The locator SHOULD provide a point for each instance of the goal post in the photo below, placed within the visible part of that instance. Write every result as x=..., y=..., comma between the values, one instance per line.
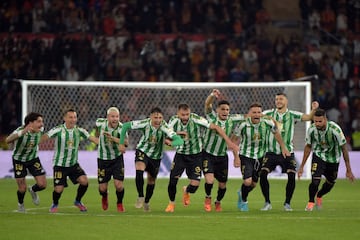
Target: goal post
x=135, y=99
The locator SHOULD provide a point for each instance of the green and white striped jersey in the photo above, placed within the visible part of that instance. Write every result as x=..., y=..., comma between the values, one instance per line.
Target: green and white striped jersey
x=326, y=144
x=253, y=137
x=67, y=144
x=213, y=142
x=107, y=149
x=193, y=142
x=286, y=124
x=152, y=140
x=26, y=147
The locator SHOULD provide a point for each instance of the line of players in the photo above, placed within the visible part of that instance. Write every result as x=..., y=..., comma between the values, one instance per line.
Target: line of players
x=264, y=140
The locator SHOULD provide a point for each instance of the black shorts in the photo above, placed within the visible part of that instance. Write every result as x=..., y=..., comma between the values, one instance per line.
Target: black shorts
x=320, y=167
x=61, y=174
x=271, y=160
x=250, y=168
x=219, y=165
x=34, y=166
x=192, y=163
x=108, y=168
x=152, y=165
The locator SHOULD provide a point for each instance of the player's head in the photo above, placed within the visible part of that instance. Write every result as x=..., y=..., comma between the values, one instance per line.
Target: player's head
x=70, y=118
x=281, y=101
x=255, y=112
x=35, y=120
x=113, y=117
x=156, y=117
x=320, y=119
x=223, y=109
x=184, y=112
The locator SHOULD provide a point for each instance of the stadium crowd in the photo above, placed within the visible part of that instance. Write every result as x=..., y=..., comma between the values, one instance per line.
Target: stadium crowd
x=185, y=41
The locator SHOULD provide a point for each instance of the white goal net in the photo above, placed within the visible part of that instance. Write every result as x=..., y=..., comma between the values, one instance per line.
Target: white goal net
x=135, y=99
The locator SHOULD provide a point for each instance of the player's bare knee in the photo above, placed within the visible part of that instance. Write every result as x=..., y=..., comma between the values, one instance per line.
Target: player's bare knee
x=248, y=182
x=222, y=185
x=42, y=185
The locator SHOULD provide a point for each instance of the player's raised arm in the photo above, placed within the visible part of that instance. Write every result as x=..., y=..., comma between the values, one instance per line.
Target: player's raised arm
x=309, y=117
x=210, y=100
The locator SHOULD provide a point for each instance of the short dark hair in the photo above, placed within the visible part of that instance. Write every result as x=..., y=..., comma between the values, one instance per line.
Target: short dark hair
x=155, y=110
x=183, y=106
x=68, y=110
x=31, y=117
x=255, y=104
x=221, y=102
x=281, y=94
x=320, y=112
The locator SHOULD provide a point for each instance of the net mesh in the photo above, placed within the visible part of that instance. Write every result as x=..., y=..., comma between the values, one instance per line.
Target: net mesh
x=135, y=102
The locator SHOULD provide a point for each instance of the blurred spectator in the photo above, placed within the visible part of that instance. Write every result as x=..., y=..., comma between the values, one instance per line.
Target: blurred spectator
x=250, y=55
x=280, y=47
x=328, y=19
x=250, y=7
x=72, y=74
x=314, y=19
x=315, y=53
x=345, y=111
x=166, y=76
x=222, y=73
x=233, y=53
x=182, y=66
x=108, y=24
x=333, y=113
x=224, y=24
x=264, y=47
x=341, y=72
x=262, y=20
x=341, y=21
x=305, y=10
x=83, y=54
x=238, y=73
x=281, y=70
x=185, y=18
x=354, y=87
x=356, y=46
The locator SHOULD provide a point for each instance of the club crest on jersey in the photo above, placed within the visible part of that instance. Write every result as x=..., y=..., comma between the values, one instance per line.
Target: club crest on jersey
x=70, y=143
x=153, y=139
x=30, y=145
x=256, y=137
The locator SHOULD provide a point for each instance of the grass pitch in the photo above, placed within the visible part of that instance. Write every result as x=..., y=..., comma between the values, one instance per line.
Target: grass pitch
x=339, y=218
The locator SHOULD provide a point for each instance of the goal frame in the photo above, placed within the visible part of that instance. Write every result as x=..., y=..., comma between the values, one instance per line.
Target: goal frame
x=169, y=85
x=174, y=85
